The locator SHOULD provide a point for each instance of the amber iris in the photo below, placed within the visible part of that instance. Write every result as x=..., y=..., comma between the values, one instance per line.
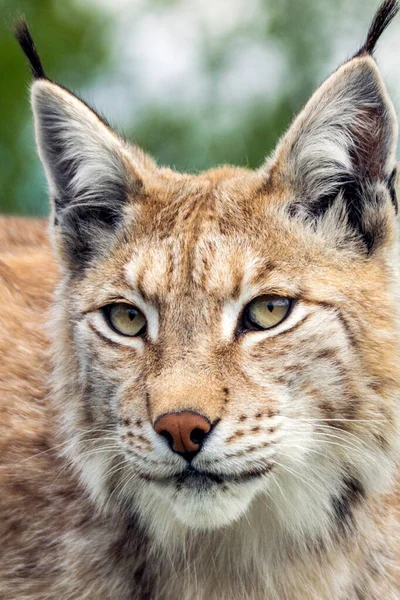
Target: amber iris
x=125, y=319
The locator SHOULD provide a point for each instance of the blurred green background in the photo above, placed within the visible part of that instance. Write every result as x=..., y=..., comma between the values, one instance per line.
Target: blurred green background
x=195, y=82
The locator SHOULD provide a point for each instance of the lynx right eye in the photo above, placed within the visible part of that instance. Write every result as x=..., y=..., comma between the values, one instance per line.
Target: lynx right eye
x=265, y=312
x=125, y=319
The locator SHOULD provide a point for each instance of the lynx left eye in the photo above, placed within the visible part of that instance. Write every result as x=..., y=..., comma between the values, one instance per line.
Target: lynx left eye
x=265, y=312
x=125, y=319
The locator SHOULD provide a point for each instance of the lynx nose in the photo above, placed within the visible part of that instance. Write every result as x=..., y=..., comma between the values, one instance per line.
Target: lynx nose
x=185, y=432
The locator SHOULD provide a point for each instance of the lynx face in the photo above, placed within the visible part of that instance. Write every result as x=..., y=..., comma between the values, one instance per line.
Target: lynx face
x=226, y=343
x=300, y=414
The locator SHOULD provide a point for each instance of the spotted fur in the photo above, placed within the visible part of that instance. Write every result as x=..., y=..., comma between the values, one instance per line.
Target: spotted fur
x=294, y=495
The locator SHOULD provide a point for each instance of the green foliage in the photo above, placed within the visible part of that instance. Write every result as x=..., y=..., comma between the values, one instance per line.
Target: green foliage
x=73, y=44
x=196, y=140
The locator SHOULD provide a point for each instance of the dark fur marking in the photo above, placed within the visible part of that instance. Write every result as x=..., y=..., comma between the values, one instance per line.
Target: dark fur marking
x=88, y=404
x=225, y=392
x=326, y=354
x=351, y=336
x=29, y=569
x=383, y=443
x=352, y=494
x=360, y=595
x=392, y=189
x=355, y=198
x=141, y=438
x=298, y=324
x=147, y=395
x=332, y=307
x=352, y=407
x=105, y=339
x=327, y=409
x=81, y=231
x=133, y=543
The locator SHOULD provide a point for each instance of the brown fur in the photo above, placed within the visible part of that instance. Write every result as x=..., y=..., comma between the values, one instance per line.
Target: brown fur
x=294, y=493
x=48, y=519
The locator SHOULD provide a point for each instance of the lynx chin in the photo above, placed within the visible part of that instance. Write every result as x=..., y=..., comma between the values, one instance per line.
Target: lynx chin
x=200, y=379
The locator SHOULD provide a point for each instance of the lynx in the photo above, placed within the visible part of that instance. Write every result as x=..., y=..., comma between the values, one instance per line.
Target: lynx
x=200, y=379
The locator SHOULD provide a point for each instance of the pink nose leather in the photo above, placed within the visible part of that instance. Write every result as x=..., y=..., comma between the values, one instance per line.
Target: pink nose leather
x=185, y=430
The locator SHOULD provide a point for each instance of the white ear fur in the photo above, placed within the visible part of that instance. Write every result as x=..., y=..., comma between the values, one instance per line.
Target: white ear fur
x=348, y=128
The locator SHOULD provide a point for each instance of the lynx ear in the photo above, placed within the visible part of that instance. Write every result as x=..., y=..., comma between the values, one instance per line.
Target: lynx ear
x=90, y=171
x=339, y=154
x=88, y=168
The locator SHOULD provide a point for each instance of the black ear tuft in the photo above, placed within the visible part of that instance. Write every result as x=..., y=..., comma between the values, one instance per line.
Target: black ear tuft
x=382, y=19
x=27, y=44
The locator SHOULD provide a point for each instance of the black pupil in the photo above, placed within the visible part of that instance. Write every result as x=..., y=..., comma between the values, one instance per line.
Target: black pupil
x=270, y=306
x=132, y=313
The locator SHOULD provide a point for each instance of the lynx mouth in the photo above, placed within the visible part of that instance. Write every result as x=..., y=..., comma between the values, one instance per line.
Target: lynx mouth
x=193, y=478
x=204, y=501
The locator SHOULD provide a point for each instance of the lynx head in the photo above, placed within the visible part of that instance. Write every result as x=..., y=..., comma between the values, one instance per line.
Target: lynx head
x=228, y=340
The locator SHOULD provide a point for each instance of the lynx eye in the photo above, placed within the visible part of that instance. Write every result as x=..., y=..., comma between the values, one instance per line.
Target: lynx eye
x=125, y=319
x=265, y=312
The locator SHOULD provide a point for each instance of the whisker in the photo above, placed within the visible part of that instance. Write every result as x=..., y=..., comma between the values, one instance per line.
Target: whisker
x=343, y=445
x=121, y=486
x=328, y=433
x=311, y=419
x=303, y=478
x=116, y=468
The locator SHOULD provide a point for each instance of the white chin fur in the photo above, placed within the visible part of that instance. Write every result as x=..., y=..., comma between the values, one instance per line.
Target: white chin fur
x=210, y=508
